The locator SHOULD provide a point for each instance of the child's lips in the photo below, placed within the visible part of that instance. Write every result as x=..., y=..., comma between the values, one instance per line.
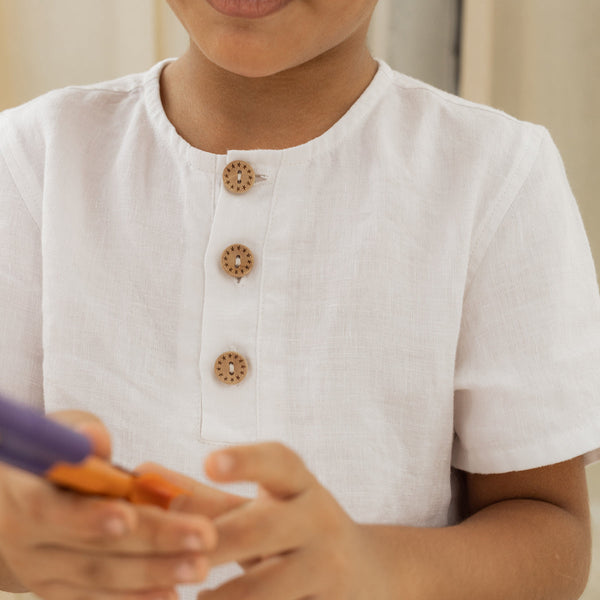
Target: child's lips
x=248, y=9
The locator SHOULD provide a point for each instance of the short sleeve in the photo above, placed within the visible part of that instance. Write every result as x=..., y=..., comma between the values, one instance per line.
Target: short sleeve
x=21, y=354
x=527, y=375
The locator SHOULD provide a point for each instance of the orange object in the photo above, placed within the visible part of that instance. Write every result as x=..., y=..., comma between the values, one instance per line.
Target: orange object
x=96, y=476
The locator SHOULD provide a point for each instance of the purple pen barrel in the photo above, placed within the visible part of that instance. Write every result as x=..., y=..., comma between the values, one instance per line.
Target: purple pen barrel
x=30, y=441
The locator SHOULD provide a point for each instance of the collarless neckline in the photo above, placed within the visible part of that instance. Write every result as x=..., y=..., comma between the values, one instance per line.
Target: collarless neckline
x=328, y=141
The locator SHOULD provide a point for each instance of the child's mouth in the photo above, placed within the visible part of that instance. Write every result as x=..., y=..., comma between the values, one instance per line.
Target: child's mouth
x=248, y=9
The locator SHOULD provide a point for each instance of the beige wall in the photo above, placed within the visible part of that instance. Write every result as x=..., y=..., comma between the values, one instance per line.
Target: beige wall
x=539, y=60
x=46, y=45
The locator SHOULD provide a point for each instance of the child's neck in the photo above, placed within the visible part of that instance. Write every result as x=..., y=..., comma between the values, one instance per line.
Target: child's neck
x=216, y=110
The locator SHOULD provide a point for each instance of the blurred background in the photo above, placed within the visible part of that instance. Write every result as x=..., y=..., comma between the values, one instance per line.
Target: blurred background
x=538, y=60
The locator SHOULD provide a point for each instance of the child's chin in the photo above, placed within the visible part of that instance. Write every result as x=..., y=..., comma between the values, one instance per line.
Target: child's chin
x=252, y=67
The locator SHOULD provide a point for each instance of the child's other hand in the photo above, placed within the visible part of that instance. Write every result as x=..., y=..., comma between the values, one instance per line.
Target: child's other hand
x=65, y=546
x=294, y=539
x=204, y=499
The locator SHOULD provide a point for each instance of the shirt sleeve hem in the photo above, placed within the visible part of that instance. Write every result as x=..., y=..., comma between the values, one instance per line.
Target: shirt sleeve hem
x=562, y=446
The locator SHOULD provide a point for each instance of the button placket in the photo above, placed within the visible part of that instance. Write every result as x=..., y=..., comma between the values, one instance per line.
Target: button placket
x=230, y=313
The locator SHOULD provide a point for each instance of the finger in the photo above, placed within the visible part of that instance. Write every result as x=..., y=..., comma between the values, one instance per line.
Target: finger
x=44, y=515
x=115, y=572
x=281, y=577
x=100, y=438
x=88, y=424
x=203, y=499
x=35, y=508
x=160, y=532
x=271, y=464
x=263, y=528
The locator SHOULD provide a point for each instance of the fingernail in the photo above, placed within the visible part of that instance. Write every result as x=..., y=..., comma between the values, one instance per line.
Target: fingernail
x=193, y=542
x=186, y=572
x=224, y=462
x=115, y=526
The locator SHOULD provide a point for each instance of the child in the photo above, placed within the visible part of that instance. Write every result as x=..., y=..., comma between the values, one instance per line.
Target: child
x=275, y=258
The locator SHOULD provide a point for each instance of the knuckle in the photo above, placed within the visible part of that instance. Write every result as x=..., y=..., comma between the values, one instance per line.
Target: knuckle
x=280, y=450
x=159, y=572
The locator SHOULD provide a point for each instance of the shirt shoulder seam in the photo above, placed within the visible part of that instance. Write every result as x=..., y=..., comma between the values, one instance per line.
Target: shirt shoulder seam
x=500, y=210
x=448, y=97
x=97, y=88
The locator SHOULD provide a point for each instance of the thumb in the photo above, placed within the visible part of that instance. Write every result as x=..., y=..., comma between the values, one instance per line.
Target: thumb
x=90, y=426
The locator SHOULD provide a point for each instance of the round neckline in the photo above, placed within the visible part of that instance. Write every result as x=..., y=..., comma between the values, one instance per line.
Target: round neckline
x=328, y=141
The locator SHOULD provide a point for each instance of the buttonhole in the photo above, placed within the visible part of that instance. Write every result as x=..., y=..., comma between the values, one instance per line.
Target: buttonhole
x=231, y=368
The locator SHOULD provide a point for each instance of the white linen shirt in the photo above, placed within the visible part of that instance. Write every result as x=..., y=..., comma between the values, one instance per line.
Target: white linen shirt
x=423, y=295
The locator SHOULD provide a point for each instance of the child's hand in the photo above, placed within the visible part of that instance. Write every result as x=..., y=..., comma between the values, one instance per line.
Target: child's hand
x=204, y=500
x=62, y=545
x=294, y=539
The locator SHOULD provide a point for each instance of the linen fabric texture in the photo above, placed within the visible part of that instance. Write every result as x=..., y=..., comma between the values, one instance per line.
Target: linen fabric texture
x=423, y=297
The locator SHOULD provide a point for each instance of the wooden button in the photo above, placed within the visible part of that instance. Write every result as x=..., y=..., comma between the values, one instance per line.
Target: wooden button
x=231, y=368
x=238, y=177
x=237, y=260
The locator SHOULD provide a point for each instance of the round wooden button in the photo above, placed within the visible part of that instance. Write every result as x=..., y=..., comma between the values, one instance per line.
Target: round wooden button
x=238, y=177
x=237, y=260
x=231, y=368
